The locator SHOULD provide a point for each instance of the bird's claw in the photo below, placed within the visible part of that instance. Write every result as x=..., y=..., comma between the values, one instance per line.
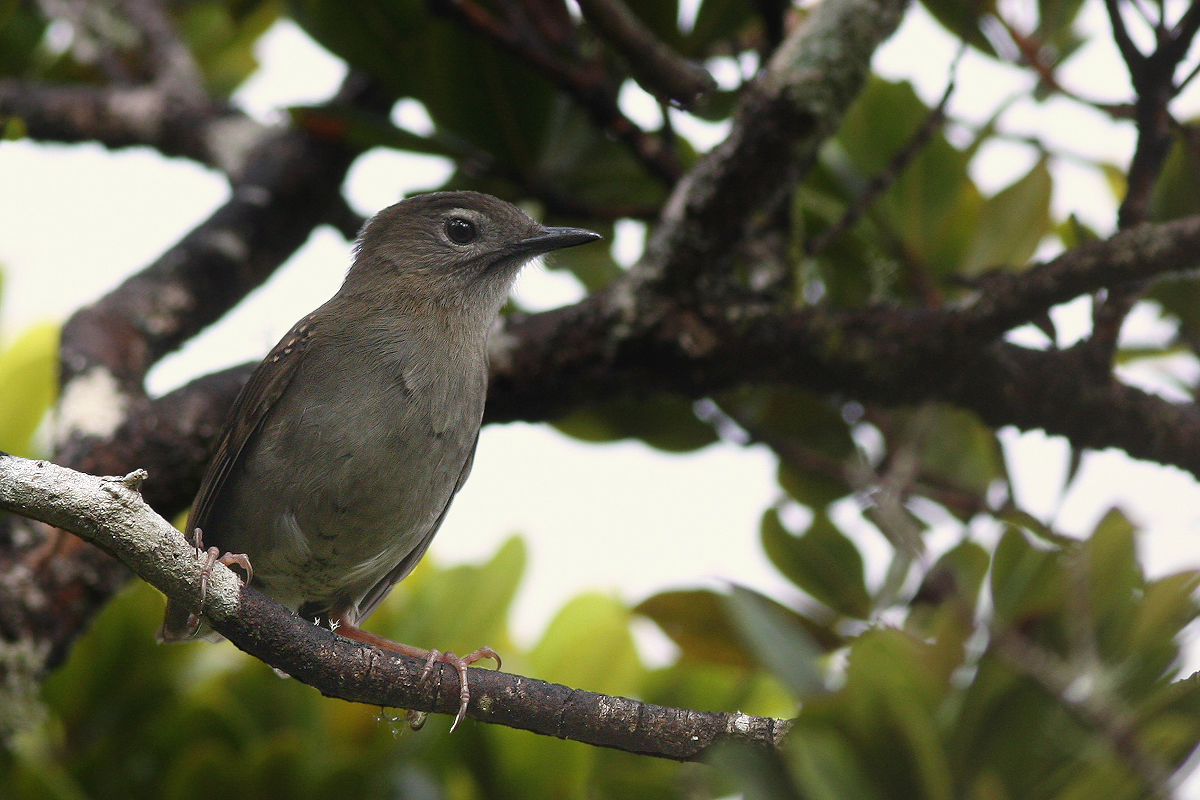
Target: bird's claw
x=460, y=666
x=212, y=556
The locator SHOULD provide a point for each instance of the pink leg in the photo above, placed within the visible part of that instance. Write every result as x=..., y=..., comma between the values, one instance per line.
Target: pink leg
x=431, y=657
x=212, y=556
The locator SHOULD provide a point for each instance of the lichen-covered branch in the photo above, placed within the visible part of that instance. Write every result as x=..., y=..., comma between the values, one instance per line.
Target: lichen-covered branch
x=110, y=513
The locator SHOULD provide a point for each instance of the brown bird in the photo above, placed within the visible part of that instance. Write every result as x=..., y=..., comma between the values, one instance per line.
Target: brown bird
x=341, y=455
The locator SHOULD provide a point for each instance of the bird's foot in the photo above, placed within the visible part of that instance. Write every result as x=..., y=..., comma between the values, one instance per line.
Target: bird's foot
x=431, y=657
x=212, y=556
x=460, y=666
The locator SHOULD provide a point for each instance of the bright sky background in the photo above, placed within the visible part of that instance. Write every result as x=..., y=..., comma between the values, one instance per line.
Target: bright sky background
x=623, y=518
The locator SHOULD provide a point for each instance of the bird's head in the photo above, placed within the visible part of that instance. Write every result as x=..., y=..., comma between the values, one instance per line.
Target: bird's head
x=459, y=250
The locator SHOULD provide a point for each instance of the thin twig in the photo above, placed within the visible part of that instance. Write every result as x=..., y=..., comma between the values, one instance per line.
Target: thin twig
x=1129, y=52
x=1102, y=712
x=590, y=89
x=658, y=68
x=888, y=175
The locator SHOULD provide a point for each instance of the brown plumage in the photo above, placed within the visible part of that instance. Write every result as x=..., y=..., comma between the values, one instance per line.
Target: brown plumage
x=341, y=455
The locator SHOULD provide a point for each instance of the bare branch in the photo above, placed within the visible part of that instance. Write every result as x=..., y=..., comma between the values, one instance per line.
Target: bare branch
x=174, y=67
x=659, y=69
x=128, y=116
x=1125, y=44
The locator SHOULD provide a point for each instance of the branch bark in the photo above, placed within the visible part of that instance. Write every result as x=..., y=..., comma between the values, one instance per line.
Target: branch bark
x=128, y=116
x=110, y=513
x=547, y=364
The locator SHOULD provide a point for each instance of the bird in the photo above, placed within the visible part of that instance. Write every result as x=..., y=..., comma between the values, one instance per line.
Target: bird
x=342, y=453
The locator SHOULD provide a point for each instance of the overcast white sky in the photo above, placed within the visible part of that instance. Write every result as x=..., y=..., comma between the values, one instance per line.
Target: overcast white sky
x=621, y=518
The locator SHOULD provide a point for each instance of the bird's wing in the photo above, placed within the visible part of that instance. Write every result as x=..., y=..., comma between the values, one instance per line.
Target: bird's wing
x=260, y=393
x=380, y=590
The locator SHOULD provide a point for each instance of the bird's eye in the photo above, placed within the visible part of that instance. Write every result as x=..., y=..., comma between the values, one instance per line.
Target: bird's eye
x=460, y=231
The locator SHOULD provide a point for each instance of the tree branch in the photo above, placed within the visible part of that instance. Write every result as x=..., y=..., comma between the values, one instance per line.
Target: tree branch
x=659, y=69
x=546, y=364
x=173, y=65
x=780, y=122
x=110, y=513
x=123, y=116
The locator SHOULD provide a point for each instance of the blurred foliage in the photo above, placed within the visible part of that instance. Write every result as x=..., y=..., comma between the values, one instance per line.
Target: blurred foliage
x=29, y=381
x=942, y=643
x=1067, y=688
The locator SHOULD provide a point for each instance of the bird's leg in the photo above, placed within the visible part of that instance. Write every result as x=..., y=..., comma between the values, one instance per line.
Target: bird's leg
x=212, y=556
x=343, y=627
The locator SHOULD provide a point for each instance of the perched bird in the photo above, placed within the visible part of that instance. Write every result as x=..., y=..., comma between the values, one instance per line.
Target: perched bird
x=343, y=452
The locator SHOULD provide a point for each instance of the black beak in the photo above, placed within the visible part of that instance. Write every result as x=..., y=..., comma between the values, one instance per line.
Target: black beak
x=555, y=239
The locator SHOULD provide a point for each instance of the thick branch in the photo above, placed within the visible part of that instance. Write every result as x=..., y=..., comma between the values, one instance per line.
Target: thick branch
x=547, y=364
x=780, y=122
x=123, y=116
x=110, y=513
x=1006, y=299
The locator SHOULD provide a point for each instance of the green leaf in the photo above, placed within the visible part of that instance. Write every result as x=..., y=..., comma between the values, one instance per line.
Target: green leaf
x=21, y=31
x=1026, y=582
x=784, y=412
x=781, y=645
x=959, y=450
x=1012, y=223
x=1025, y=521
x=1174, y=193
x=1055, y=25
x=1179, y=295
x=890, y=708
x=953, y=582
x=365, y=130
x=665, y=422
x=471, y=89
x=1167, y=607
x=931, y=208
x=587, y=644
x=222, y=36
x=825, y=766
x=28, y=386
x=1073, y=232
x=758, y=773
x=660, y=16
x=1115, y=580
x=823, y=562
x=962, y=20
x=716, y=21
x=461, y=609
x=813, y=488
x=594, y=169
x=696, y=621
